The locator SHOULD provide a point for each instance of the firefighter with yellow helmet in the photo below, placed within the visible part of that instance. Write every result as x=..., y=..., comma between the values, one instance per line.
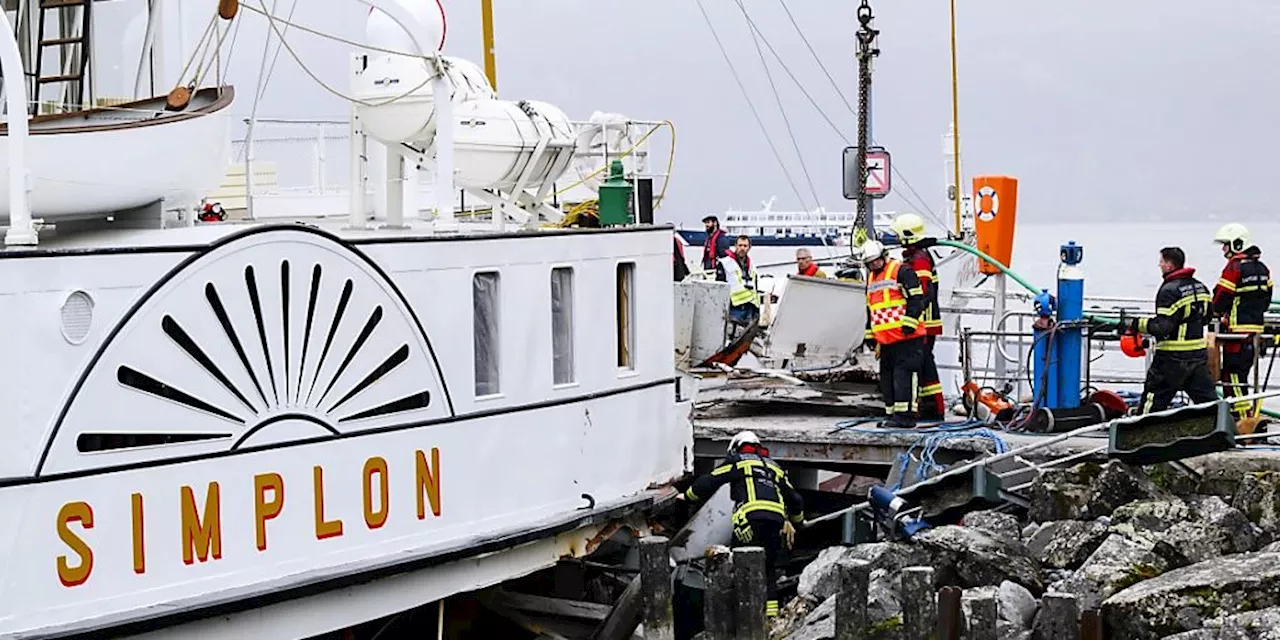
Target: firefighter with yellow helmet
x=1241, y=298
x=910, y=230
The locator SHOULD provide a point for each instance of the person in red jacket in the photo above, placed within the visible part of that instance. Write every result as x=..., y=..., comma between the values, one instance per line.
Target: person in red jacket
x=1241, y=298
x=915, y=253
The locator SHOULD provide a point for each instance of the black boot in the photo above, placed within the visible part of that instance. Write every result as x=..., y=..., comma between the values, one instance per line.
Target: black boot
x=900, y=421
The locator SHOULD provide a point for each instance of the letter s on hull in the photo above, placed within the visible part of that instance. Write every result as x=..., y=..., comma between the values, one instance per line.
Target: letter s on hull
x=75, y=511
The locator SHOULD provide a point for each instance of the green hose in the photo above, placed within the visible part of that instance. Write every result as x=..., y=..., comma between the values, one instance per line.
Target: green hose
x=1017, y=278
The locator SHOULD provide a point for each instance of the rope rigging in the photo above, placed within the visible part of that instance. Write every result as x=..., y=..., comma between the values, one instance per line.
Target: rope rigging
x=756, y=37
x=921, y=202
x=746, y=96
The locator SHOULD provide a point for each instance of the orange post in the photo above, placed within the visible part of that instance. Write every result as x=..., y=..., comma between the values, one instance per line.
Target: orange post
x=995, y=218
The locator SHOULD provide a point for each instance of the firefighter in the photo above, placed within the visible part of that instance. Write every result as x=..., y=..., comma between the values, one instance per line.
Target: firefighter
x=1181, y=362
x=766, y=506
x=915, y=254
x=895, y=305
x=735, y=268
x=717, y=244
x=1241, y=298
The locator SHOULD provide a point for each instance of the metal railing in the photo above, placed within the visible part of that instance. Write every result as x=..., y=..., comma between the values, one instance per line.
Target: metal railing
x=986, y=343
x=312, y=156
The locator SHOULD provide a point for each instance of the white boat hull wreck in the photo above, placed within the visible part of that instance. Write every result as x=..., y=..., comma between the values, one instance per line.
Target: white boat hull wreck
x=236, y=419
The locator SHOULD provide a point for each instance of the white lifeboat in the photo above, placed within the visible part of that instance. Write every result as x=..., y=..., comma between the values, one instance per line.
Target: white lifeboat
x=90, y=163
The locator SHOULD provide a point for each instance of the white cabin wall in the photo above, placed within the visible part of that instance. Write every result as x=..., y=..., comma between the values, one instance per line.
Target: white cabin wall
x=526, y=316
x=40, y=364
x=435, y=277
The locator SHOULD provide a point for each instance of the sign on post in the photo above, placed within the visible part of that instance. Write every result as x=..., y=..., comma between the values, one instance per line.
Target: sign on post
x=877, y=183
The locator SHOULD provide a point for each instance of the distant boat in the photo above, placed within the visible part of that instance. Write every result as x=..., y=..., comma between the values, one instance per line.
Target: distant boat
x=817, y=228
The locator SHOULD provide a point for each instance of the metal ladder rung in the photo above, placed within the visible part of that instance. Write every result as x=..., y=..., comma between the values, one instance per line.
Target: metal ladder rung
x=58, y=41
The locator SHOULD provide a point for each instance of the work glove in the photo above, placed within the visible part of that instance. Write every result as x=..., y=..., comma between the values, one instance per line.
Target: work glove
x=788, y=535
x=908, y=330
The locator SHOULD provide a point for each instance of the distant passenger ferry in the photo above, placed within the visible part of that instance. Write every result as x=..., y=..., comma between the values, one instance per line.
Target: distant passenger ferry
x=767, y=227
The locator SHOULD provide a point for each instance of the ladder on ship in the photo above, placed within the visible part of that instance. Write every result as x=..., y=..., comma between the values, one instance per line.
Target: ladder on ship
x=75, y=47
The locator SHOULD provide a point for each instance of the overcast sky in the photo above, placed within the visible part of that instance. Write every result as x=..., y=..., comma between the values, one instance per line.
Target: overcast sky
x=1127, y=109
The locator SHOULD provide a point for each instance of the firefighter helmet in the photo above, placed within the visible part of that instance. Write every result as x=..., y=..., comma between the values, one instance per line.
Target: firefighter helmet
x=1233, y=237
x=872, y=250
x=742, y=438
x=1133, y=345
x=909, y=227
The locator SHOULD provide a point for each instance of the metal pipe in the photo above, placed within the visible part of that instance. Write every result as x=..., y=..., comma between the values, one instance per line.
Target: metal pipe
x=21, y=229
x=443, y=92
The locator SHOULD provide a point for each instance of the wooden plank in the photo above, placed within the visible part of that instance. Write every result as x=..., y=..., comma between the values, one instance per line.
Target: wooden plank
x=552, y=606
x=625, y=616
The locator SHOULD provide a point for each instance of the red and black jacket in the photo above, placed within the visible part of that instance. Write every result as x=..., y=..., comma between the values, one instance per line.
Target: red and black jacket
x=922, y=263
x=1243, y=293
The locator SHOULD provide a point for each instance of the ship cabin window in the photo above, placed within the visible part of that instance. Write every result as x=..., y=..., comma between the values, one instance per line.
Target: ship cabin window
x=485, y=324
x=562, y=325
x=626, y=310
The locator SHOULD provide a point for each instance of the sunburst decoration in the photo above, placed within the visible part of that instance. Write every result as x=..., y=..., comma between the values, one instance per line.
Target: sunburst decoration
x=319, y=394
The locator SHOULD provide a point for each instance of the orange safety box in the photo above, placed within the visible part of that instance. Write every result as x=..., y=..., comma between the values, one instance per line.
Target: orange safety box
x=995, y=209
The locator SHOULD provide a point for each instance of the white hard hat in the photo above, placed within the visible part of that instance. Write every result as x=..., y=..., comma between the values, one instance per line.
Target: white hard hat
x=743, y=437
x=1234, y=236
x=872, y=250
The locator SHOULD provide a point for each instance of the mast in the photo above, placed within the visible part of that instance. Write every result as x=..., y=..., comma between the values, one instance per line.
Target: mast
x=955, y=119
x=490, y=65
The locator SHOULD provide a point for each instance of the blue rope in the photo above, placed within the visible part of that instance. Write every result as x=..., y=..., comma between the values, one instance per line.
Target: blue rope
x=928, y=445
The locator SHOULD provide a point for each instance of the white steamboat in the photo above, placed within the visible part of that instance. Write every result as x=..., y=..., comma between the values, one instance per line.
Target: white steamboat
x=279, y=429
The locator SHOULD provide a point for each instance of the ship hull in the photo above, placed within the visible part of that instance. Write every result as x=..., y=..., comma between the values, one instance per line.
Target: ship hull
x=278, y=413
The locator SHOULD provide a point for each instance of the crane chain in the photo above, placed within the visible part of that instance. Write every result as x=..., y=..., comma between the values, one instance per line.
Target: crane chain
x=866, y=51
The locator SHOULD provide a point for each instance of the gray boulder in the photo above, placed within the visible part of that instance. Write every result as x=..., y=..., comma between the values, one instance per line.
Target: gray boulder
x=1183, y=599
x=1117, y=563
x=1221, y=473
x=1258, y=497
x=1015, y=606
x=1000, y=525
x=1066, y=544
x=884, y=616
x=1062, y=494
x=819, y=580
x=1188, y=532
x=971, y=557
x=1172, y=479
x=1119, y=484
x=1254, y=625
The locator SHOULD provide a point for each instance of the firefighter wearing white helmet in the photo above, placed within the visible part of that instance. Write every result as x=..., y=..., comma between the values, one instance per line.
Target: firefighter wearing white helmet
x=909, y=228
x=766, y=506
x=1241, y=299
x=895, y=311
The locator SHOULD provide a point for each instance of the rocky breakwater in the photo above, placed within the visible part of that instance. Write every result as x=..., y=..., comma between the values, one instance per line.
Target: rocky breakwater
x=1159, y=553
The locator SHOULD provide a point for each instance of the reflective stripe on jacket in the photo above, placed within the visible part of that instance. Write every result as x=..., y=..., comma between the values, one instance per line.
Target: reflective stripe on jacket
x=1182, y=313
x=758, y=487
x=921, y=261
x=894, y=300
x=740, y=292
x=1243, y=293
